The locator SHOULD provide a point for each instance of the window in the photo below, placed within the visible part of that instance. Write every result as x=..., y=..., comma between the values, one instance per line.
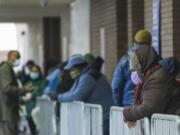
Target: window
x=8, y=37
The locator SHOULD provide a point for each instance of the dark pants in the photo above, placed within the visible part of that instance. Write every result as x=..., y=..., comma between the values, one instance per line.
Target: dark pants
x=106, y=127
x=106, y=132
x=32, y=126
x=7, y=128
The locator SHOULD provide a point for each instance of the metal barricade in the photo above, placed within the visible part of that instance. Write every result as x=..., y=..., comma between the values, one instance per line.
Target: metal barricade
x=78, y=118
x=165, y=124
x=93, y=119
x=118, y=127
x=46, y=116
x=72, y=119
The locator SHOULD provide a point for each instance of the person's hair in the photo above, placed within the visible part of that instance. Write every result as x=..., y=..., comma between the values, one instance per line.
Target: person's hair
x=51, y=64
x=30, y=62
x=62, y=65
x=14, y=51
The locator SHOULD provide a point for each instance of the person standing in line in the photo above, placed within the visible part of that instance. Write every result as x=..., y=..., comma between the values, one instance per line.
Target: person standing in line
x=9, y=95
x=122, y=86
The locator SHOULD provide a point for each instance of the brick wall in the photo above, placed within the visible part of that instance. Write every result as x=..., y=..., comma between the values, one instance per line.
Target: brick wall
x=166, y=25
x=135, y=18
x=176, y=28
x=170, y=26
x=166, y=28
x=148, y=14
x=123, y=18
x=122, y=28
x=104, y=14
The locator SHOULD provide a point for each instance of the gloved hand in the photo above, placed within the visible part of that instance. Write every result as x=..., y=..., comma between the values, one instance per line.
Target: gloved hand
x=53, y=96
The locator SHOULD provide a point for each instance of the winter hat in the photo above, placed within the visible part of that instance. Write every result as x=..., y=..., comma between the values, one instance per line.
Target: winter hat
x=143, y=37
x=89, y=58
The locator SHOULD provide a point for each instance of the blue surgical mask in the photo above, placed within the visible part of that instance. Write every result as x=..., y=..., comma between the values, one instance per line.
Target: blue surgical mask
x=34, y=76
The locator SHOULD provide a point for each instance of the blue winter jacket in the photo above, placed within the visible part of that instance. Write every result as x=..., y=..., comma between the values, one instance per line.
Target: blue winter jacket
x=171, y=65
x=91, y=90
x=122, y=86
x=53, y=82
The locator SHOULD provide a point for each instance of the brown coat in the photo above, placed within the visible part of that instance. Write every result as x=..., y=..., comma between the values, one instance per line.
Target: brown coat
x=9, y=94
x=161, y=92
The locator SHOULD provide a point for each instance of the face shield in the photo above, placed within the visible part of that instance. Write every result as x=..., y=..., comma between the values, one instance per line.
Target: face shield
x=134, y=64
x=135, y=67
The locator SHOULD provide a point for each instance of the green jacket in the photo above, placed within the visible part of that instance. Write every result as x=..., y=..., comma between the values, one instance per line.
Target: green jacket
x=9, y=94
x=38, y=89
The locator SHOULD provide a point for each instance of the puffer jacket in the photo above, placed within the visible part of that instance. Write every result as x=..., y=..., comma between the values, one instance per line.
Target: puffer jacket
x=171, y=65
x=53, y=81
x=160, y=91
x=122, y=86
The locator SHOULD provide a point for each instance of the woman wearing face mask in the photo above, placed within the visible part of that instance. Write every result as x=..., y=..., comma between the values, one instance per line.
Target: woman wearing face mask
x=24, y=75
x=39, y=84
x=159, y=92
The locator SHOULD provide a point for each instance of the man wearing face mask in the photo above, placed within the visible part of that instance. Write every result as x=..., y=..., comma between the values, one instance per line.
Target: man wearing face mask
x=159, y=93
x=9, y=95
x=90, y=86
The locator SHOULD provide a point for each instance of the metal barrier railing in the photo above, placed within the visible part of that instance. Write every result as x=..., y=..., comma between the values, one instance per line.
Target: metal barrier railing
x=93, y=119
x=46, y=116
x=72, y=119
x=118, y=127
x=78, y=118
x=165, y=124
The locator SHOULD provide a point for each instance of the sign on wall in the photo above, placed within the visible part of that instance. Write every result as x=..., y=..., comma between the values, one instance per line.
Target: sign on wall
x=156, y=25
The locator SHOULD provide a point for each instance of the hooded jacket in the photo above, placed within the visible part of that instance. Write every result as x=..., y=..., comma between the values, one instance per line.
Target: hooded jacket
x=122, y=86
x=91, y=87
x=53, y=81
x=160, y=91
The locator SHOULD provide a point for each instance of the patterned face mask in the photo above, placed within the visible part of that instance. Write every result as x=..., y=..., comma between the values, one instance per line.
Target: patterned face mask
x=74, y=73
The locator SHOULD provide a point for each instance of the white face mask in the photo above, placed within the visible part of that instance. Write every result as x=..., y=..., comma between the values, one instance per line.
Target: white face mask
x=16, y=63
